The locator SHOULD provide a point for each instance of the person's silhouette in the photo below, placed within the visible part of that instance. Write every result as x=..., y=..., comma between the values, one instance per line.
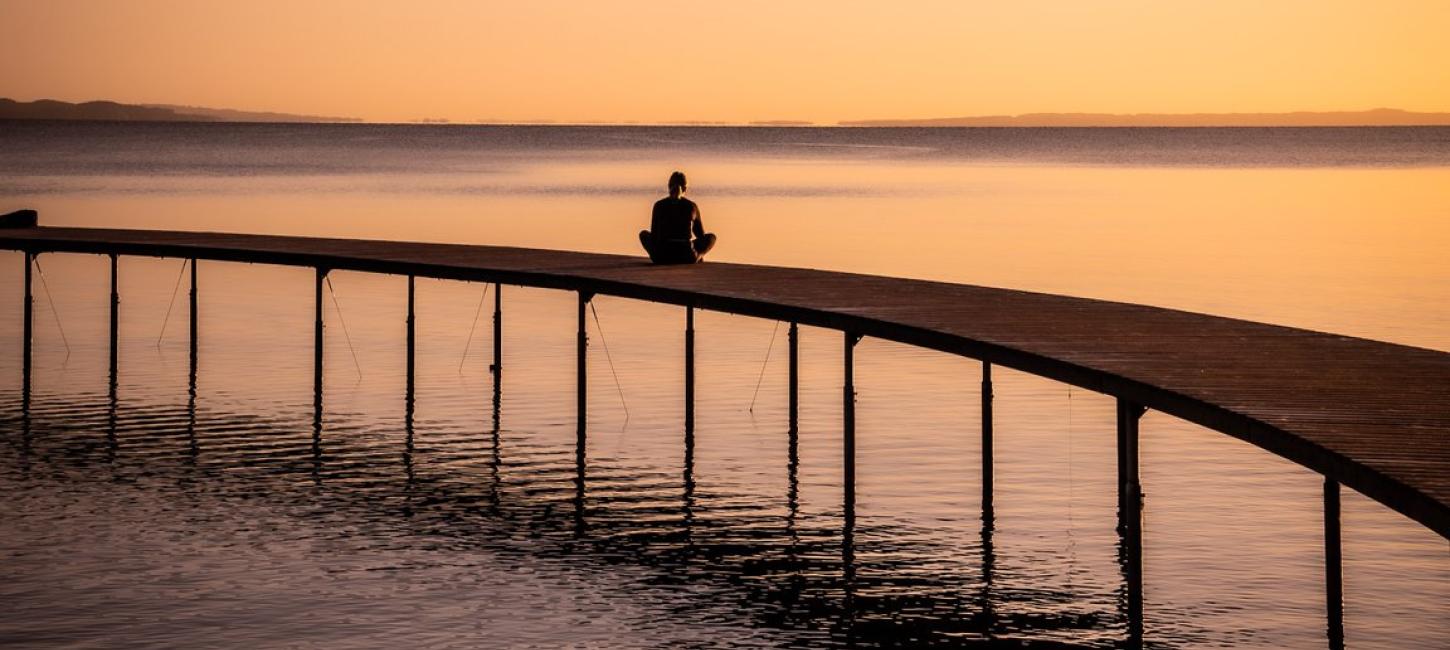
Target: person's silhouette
x=674, y=221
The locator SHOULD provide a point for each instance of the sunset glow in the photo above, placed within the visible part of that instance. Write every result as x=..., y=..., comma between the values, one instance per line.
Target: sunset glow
x=737, y=62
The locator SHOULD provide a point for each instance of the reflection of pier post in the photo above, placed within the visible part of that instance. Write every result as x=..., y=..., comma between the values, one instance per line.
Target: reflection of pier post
x=688, y=507
x=987, y=479
x=27, y=336
x=193, y=447
x=1333, y=566
x=1130, y=556
x=989, y=570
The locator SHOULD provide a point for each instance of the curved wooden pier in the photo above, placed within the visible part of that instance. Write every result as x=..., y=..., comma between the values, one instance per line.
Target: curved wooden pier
x=1370, y=415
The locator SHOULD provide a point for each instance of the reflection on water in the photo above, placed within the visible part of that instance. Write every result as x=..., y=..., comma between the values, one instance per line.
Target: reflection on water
x=172, y=498
x=709, y=553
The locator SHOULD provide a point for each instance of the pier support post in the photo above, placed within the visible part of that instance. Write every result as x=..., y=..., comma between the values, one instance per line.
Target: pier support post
x=1130, y=489
x=848, y=529
x=317, y=377
x=1333, y=565
x=193, y=329
x=582, y=409
x=113, y=378
x=987, y=477
x=581, y=372
x=412, y=356
x=848, y=417
x=191, y=359
x=317, y=344
x=1130, y=516
x=28, y=335
x=497, y=367
x=115, y=322
x=793, y=384
x=690, y=371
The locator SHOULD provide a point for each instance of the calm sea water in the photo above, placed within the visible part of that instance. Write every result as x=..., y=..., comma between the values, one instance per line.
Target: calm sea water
x=158, y=515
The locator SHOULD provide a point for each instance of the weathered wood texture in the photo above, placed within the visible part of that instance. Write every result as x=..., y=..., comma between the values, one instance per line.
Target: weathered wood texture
x=1374, y=416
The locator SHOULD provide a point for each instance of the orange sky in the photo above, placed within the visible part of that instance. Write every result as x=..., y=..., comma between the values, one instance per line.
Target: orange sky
x=733, y=61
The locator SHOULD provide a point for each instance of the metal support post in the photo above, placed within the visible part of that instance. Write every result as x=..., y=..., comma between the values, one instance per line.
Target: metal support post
x=848, y=418
x=793, y=390
x=582, y=404
x=497, y=367
x=115, y=323
x=689, y=370
x=412, y=352
x=848, y=528
x=194, y=338
x=317, y=378
x=1130, y=489
x=1333, y=565
x=28, y=335
x=317, y=345
x=580, y=446
x=987, y=477
x=1130, y=517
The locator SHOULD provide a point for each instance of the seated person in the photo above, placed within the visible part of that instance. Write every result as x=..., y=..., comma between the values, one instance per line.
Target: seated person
x=674, y=221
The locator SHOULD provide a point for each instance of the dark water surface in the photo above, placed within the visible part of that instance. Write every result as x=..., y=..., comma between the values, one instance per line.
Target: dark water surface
x=158, y=512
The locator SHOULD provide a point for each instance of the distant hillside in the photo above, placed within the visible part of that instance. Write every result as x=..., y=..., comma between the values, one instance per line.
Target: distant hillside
x=230, y=115
x=49, y=109
x=1376, y=117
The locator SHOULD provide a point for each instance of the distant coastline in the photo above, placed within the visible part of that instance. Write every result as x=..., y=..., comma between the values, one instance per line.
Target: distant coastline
x=1374, y=117
x=49, y=109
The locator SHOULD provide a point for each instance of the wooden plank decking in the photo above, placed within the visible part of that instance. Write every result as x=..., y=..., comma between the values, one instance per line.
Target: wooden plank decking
x=1374, y=416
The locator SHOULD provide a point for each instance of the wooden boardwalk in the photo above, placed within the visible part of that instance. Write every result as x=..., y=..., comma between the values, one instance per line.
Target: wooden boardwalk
x=1373, y=416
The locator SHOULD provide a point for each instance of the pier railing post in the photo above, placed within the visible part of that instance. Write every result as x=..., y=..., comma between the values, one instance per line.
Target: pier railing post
x=1333, y=565
x=848, y=417
x=497, y=367
x=412, y=355
x=1130, y=516
x=193, y=316
x=793, y=384
x=191, y=360
x=581, y=372
x=1130, y=489
x=28, y=335
x=582, y=409
x=689, y=370
x=115, y=321
x=317, y=344
x=113, y=378
x=987, y=476
x=848, y=528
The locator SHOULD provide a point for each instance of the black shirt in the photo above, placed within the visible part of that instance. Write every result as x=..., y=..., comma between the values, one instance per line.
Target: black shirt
x=675, y=219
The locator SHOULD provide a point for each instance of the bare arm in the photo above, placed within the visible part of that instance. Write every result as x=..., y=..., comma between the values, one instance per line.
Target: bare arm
x=698, y=226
